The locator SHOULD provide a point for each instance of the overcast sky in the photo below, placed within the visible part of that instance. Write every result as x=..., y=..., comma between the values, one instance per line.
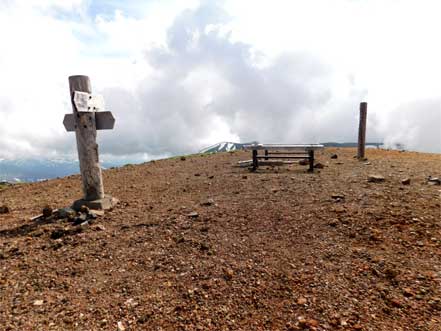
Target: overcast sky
x=181, y=75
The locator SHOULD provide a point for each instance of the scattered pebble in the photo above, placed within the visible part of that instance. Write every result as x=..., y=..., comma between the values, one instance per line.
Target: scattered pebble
x=120, y=326
x=47, y=211
x=38, y=302
x=228, y=273
x=375, y=179
x=208, y=203
x=302, y=301
x=4, y=209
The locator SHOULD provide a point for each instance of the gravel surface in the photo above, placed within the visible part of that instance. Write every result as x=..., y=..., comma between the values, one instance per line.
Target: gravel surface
x=197, y=243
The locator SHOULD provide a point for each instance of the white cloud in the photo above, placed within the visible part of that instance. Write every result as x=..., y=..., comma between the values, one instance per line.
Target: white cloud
x=179, y=76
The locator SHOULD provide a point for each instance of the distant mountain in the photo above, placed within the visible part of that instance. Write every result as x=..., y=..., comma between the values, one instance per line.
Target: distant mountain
x=334, y=144
x=225, y=147
x=230, y=146
x=32, y=170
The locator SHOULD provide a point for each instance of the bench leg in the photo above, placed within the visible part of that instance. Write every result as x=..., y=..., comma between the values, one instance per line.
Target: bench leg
x=311, y=161
x=266, y=154
x=255, y=161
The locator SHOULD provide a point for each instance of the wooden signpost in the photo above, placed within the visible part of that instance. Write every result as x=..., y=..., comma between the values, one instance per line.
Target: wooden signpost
x=87, y=117
x=362, y=131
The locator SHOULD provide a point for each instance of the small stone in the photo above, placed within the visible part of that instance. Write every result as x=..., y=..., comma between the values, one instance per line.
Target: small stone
x=80, y=219
x=396, y=303
x=338, y=196
x=84, y=209
x=47, y=211
x=301, y=301
x=367, y=163
x=193, y=214
x=183, y=158
x=433, y=181
x=208, y=203
x=244, y=177
x=405, y=181
x=334, y=156
x=131, y=303
x=97, y=212
x=38, y=302
x=319, y=166
x=204, y=247
x=375, y=179
x=197, y=175
x=4, y=209
x=68, y=213
x=407, y=292
x=312, y=323
x=304, y=162
x=86, y=223
x=333, y=223
x=228, y=273
x=99, y=227
x=120, y=326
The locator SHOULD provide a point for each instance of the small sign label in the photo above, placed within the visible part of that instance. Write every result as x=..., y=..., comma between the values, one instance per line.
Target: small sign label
x=88, y=102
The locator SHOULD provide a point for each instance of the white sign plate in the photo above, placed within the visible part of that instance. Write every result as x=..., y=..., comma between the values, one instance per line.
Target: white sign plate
x=88, y=102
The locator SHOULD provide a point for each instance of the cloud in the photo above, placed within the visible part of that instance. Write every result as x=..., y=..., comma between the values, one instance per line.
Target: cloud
x=204, y=83
x=179, y=77
x=416, y=125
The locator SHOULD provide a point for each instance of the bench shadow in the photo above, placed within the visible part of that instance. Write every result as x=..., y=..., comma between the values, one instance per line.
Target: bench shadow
x=275, y=170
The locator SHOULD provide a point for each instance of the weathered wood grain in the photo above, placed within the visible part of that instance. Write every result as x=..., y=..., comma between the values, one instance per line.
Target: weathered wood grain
x=85, y=132
x=362, y=131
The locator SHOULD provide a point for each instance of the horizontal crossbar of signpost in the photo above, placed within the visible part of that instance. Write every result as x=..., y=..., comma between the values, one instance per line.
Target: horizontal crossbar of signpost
x=283, y=146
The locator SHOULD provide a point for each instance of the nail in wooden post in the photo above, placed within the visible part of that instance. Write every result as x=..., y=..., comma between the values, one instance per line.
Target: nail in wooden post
x=362, y=130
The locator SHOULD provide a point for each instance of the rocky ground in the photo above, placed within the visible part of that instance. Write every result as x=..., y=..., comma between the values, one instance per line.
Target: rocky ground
x=200, y=244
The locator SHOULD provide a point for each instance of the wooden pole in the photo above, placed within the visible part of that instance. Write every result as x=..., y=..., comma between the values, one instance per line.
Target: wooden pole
x=85, y=131
x=362, y=130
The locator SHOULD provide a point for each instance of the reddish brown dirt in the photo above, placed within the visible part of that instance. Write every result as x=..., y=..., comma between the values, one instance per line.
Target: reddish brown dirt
x=275, y=251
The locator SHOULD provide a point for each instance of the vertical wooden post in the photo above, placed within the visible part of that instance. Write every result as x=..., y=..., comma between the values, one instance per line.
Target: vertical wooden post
x=85, y=131
x=255, y=160
x=362, y=130
x=266, y=154
x=311, y=160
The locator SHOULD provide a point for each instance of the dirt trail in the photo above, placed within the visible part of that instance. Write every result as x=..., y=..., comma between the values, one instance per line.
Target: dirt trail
x=199, y=244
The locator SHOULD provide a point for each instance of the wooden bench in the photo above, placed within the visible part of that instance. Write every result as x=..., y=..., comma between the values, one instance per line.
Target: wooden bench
x=281, y=154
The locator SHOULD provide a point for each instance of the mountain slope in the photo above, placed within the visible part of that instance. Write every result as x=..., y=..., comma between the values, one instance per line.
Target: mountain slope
x=225, y=147
x=198, y=243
